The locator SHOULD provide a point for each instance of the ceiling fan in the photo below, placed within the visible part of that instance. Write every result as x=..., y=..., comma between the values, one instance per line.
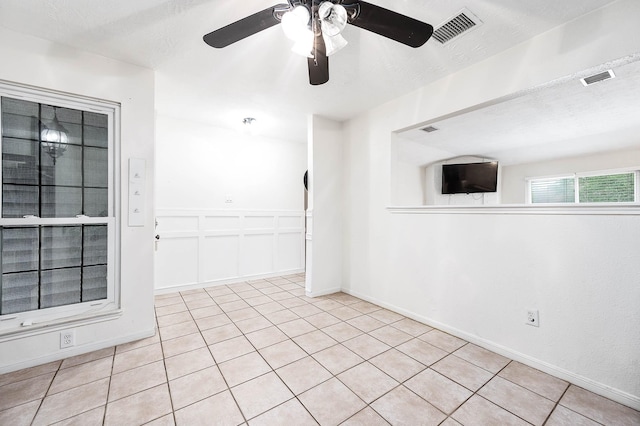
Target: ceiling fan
x=315, y=27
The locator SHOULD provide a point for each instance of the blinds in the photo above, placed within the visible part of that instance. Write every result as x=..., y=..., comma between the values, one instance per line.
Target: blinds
x=605, y=188
x=43, y=265
x=557, y=190
x=48, y=266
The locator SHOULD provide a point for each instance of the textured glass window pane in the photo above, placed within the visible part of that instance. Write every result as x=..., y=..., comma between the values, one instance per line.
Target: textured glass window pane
x=61, y=246
x=70, y=119
x=616, y=188
x=59, y=287
x=560, y=190
x=96, y=171
x=19, y=292
x=19, y=249
x=19, y=200
x=68, y=168
x=61, y=201
x=20, y=119
x=96, y=202
x=20, y=160
x=94, y=283
x=95, y=129
x=95, y=245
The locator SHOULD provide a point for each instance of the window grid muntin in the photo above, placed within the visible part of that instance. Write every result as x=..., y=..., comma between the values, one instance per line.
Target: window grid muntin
x=11, y=324
x=44, y=169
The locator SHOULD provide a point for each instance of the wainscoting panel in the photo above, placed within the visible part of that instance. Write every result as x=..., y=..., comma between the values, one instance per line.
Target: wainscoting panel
x=213, y=223
x=290, y=250
x=178, y=257
x=208, y=247
x=258, y=254
x=220, y=257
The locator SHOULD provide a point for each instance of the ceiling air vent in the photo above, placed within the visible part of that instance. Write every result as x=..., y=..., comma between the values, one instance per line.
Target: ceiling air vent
x=459, y=24
x=596, y=78
x=429, y=129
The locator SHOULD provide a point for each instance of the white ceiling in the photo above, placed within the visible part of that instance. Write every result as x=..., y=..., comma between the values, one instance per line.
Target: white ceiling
x=259, y=76
x=559, y=119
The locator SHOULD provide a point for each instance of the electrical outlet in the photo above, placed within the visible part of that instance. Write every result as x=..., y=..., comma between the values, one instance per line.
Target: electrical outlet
x=533, y=318
x=228, y=199
x=67, y=338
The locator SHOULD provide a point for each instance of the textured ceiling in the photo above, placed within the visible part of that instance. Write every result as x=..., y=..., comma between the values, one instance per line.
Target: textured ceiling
x=259, y=76
x=562, y=118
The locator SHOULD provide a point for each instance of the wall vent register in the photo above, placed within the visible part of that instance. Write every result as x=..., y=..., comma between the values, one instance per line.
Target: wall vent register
x=456, y=26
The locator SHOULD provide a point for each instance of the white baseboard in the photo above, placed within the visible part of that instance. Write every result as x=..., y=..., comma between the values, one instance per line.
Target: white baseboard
x=323, y=292
x=576, y=379
x=234, y=280
x=77, y=350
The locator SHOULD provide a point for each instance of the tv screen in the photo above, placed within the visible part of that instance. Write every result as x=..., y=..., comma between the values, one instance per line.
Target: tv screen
x=469, y=178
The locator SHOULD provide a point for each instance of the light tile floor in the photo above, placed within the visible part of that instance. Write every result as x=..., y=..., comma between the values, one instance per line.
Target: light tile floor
x=262, y=353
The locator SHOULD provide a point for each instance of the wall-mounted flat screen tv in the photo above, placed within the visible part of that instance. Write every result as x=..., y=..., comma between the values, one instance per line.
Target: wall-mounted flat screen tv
x=469, y=178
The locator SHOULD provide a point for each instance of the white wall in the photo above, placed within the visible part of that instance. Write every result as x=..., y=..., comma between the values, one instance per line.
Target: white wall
x=200, y=166
x=514, y=182
x=324, y=215
x=230, y=205
x=455, y=269
x=475, y=275
x=40, y=63
x=411, y=189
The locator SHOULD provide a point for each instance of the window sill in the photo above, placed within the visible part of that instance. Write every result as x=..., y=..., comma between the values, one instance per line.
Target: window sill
x=523, y=209
x=59, y=324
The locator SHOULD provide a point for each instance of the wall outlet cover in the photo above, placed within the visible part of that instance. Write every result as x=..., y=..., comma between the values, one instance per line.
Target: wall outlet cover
x=533, y=318
x=67, y=338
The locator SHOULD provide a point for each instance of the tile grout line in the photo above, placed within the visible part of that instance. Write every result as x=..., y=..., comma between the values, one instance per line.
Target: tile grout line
x=164, y=363
x=46, y=392
x=364, y=360
x=288, y=308
x=106, y=402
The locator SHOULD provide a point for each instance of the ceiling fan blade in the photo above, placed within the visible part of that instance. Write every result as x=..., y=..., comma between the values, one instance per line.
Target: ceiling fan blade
x=245, y=27
x=393, y=25
x=319, y=64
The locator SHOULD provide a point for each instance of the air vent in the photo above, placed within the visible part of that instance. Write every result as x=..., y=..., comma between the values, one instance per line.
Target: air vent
x=597, y=78
x=459, y=24
x=429, y=129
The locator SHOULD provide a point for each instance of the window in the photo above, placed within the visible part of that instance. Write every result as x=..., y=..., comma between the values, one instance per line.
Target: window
x=619, y=187
x=57, y=222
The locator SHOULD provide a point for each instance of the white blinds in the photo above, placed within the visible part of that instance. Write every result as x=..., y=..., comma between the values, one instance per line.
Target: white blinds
x=43, y=265
x=555, y=190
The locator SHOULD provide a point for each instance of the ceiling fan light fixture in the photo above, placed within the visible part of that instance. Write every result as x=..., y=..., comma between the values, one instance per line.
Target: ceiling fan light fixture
x=333, y=18
x=296, y=26
x=304, y=45
x=333, y=43
x=296, y=22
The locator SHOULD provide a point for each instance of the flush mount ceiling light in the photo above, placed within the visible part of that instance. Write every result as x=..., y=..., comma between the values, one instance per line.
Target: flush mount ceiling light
x=315, y=26
x=54, y=138
x=248, y=121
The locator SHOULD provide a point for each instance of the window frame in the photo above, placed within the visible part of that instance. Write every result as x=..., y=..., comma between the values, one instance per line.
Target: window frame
x=41, y=320
x=576, y=177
